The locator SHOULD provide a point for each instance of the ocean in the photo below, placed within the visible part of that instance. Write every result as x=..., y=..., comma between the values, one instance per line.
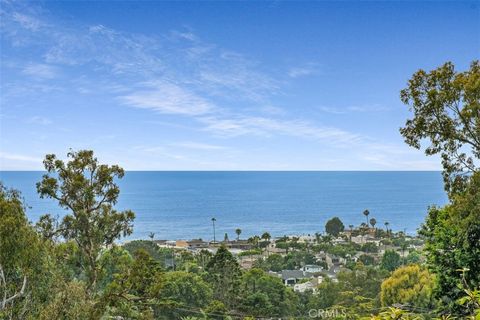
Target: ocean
x=180, y=205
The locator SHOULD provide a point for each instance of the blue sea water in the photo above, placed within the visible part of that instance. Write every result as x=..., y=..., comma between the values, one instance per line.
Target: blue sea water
x=180, y=205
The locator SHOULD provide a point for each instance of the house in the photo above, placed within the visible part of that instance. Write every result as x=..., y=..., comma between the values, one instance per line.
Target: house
x=165, y=243
x=271, y=249
x=333, y=272
x=312, y=268
x=309, y=285
x=334, y=260
x=291, y=277
x=307, y=239
x=382, y=249
x=240, y=244
x=181, y=244
x=197, y=244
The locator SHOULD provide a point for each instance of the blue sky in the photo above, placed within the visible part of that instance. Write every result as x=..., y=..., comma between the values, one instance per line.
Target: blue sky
x=222, y=85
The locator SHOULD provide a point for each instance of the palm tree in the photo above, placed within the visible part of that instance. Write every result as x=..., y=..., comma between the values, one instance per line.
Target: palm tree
x=213, y=222
x=386, y=226
x=254, y=240
x=151, y=235
x=373, y=222
x=225, y=238
x=351, y=231
x=238, y=232
x=266, y=236
x=366, y=213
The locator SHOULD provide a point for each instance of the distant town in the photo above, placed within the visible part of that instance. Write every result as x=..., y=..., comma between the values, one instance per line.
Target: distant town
x=301, y=261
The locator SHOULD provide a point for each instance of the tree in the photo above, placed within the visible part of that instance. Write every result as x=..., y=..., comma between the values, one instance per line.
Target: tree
x=334, y=226
x=266, y=236
x=25, y=274
x=179, y=294
x=88, y=190
x=366, y=213
x=223, y=272
x=445, y=106
x=373, y=222
x=151, y=235
x=213, y=224
x=238, y=232
x=410, y=285
x=266, y=296
x=452, y=237
x=390, y=260
x=366, y=259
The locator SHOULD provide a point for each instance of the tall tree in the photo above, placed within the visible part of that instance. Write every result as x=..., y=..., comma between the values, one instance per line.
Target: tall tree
x=24, y=272
x=390, y=260
x=266, y=296
x=179, y=294
x=88, y=191
x=452, y=243
x=213, y=224
x=223, y=272
x=373, y=222
x=238, y=232
x=446, y=111
x=366, y=213
x=334, y=226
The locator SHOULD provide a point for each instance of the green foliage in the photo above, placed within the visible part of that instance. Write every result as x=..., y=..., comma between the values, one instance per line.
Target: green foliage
x=369, y=247
x=179, y=294
x=446, y=111
x=410, y=285
x=223, y=273
x=413, y=257
x=390, y=260
x=273, y=262
x=88, y=190
x=366, y=259
x=25, y=277
x=452, y=236
x=251, y=252
x=264, y=295
x=149, y=246
x=334, y=226
x=70, y=302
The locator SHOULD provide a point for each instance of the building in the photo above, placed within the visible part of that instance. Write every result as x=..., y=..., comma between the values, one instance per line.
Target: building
x=181, y=244
x=197, y=244
x=309, y=285
x=312, y=268
x=291, y=277
x=240, y=244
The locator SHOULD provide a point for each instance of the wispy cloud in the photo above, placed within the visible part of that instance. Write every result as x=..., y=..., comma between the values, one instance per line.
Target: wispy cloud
x=197, y=146
x=20, y=157
x=267, y=127
x=40, y=70
x=169, y=98
x=27, y=21
x=353, y=109
x=222, y=93
x=39, y=120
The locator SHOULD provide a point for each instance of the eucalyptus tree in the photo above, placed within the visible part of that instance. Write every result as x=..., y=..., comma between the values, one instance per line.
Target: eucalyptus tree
x=25, y=269
x=88, y=191
x=446, y=113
